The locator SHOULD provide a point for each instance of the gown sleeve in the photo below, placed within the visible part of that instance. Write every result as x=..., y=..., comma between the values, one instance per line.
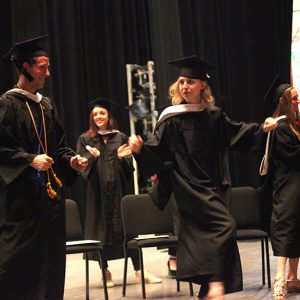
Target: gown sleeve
x=287, y=146
x=82, y=142
x=60, y=149
x=13, y=157
x=156, y=157
x=244, y=136
x=155, y=151
x=126, y=163
x=161, y=191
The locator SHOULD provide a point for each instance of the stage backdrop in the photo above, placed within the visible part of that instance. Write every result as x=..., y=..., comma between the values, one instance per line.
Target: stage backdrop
x=296, y=46
x=91, y=41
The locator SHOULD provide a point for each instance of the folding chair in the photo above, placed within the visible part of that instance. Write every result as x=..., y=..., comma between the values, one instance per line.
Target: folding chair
x=77, y=244
x=245, y=209
x=142, y=217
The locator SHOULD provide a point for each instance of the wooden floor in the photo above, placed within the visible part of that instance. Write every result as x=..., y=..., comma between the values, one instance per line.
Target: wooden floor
x=156, y=262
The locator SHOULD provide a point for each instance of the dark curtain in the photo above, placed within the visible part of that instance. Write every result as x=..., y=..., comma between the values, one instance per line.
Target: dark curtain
x=90, y=43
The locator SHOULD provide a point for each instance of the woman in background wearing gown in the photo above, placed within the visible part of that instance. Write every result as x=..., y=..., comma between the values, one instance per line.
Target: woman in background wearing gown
x=108, y=180
x=284, y=175
x=189, y=153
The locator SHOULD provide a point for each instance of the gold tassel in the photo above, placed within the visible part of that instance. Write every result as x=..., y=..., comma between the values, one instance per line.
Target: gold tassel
x=52, y=194
x=58, y=181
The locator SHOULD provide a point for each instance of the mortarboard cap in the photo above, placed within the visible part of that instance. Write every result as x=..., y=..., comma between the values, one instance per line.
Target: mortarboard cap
x=25, y=50
x=102, y=102
x=275, y=91
x=193, y=67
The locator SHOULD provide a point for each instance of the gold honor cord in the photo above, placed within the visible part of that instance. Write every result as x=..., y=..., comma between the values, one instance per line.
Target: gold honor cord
x=51, y=192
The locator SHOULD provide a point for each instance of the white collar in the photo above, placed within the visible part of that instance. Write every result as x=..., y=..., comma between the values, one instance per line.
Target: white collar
x=107, y=132
x=35, y=97
x=280, y=117
x=264, y=165
x=179, y=109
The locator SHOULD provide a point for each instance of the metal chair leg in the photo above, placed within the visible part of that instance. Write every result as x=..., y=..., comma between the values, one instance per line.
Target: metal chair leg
x=103, y=276
x=142, y=273
x=125, y=272
x=87, y=277
x=263, y=261
x=268, y=263
x=191, y=289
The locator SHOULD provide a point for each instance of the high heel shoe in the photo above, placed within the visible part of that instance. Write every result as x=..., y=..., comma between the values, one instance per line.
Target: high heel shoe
x=279, y=286
x=109, y=281
x=149, y=278
x=171, y=272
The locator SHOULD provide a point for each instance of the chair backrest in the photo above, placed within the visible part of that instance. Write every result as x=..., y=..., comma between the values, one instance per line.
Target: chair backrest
x=73, y=224
x=245, y=207
x=141, y=216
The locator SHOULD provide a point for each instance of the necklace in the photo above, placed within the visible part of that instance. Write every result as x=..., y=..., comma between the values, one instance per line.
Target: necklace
x=51, y=192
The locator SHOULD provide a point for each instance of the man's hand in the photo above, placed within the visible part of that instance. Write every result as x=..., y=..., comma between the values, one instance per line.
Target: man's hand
x=269, y=124
x=123, y=151
x=42, y=162
x=79, y=163
x=136, y=143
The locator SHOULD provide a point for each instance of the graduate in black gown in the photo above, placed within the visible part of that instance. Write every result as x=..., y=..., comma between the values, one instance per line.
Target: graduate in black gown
x=283, y=174
x=109, y=178
x=34, y=162
x=189, y=154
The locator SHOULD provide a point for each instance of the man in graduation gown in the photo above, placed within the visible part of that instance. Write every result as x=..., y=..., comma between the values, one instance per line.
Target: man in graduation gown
x=35, y=162
x=189, y=153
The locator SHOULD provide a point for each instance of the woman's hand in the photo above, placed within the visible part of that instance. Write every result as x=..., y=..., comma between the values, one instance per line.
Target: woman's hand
x=93, y=151
x=136, y=143
x=123, y=151
x=269, y=124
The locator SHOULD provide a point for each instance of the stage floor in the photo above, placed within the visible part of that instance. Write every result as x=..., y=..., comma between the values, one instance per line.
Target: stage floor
x=156, y=262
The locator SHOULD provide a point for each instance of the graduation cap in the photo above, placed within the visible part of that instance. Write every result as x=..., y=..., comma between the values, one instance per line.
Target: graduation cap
x=102, y=102
x=274, y=93
x=193, y=67
x=25, y=50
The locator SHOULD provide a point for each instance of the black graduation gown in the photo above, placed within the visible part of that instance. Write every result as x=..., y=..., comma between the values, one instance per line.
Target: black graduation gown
x=194, y=147
x=32, y=226
x=108, y=180
x=284, y=171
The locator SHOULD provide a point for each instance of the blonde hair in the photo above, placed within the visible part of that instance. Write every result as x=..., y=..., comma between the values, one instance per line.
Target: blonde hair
x=206, y=97
x=285, y=107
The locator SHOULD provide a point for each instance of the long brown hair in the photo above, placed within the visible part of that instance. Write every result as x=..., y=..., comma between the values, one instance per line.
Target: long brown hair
x=93, y=130
x=285, y=107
